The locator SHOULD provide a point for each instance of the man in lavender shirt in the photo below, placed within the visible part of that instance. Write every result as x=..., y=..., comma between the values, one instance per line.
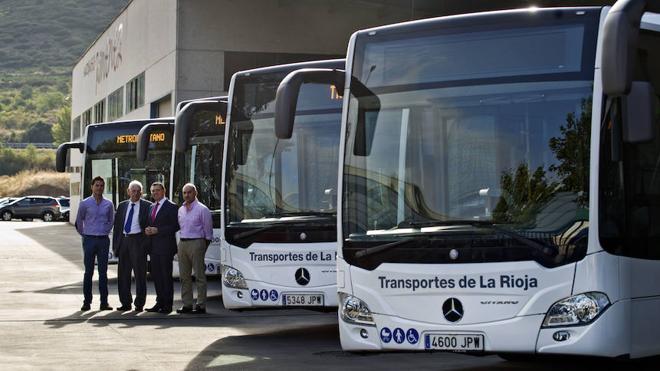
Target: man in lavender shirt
x=94, y=222
x=195, y=235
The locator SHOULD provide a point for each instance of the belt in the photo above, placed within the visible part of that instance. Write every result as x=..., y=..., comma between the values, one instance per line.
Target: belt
x=94, y=236
x=133, y=234
x=191, y=239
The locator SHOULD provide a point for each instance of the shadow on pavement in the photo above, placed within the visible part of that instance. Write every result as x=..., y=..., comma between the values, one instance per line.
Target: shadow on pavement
x=317, y=347
x=60, y=238
x=216, y=317
x=74, y=288
x=313, y=347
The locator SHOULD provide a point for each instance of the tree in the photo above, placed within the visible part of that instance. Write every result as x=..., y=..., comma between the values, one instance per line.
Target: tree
x=61, y=130
x=572, y=151
x=523, y=194
x=38, y=132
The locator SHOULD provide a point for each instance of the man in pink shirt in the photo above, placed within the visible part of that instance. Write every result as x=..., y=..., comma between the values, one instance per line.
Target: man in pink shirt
x=195, y=235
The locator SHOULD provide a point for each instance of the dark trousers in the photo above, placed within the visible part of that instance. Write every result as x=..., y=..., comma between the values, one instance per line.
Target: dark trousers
x=132, y=257
x=161, y=272
x=95, y=248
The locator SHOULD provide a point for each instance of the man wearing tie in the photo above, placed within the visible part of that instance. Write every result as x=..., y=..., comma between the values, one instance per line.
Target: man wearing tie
x=128, y=243
x=161, y=242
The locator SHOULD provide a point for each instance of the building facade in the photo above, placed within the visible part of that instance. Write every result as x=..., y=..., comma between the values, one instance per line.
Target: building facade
x=157, y=53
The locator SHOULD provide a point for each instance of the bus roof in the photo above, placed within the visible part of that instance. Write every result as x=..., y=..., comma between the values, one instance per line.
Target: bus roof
x=138, y=122
x=328, y=63
x=472, y=19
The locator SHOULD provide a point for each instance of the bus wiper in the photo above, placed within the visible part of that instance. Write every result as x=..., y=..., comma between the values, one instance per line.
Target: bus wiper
x=384, y=247
x=301, y=213
x=412, y=223
x=242, y=235
x=546, y=249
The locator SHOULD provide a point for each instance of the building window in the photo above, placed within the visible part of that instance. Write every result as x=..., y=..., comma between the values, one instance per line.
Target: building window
x=116, y=104
x=135, y=93
x=161, y=107
x=99, y=111
x=75, y=128
x=86, y=118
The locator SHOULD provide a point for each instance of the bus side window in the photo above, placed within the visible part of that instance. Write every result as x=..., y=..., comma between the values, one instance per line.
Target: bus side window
x=631, y=219
x=644, y=161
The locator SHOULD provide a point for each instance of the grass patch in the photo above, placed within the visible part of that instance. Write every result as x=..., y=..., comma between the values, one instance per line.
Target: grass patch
x=31, y=182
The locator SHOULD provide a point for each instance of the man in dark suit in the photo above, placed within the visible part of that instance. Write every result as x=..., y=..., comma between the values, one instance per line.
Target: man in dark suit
x=129, y=244
x=161, y=241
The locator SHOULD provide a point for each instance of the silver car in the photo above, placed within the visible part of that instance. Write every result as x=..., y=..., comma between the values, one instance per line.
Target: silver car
x=42, y=207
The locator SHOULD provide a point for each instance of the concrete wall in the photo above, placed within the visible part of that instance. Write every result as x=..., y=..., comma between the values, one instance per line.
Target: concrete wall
x=141, y=39
x=207, y=28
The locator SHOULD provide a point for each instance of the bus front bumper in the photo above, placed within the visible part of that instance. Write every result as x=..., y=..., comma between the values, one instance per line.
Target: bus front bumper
x=603, y=337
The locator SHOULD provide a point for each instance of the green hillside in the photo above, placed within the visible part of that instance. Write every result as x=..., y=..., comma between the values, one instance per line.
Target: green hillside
x=47, y=33
x=40, y=42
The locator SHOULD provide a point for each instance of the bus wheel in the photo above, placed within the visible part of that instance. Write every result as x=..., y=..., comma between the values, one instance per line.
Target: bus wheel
x=6, y=216
x=47, y=216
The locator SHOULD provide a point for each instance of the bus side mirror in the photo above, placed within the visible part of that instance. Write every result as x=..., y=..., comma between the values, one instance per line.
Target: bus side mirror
x=144, y=135
x=242, y=143
x=364, y=132
x=183, y=120
x=368, y=111
x=620, y=40
x=286, y=97
x=62, y=151
x=639, y=113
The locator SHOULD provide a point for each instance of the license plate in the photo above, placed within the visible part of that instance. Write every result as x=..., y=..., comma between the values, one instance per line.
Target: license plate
x=454, y=342
x=302, y=299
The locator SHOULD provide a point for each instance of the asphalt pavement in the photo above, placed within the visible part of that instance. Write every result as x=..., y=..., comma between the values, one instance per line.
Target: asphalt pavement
x=41, y=326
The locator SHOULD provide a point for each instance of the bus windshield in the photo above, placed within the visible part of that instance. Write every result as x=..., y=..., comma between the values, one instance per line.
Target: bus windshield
x=110, y=153
x=201, y=163
x=269, y=178
x=460, y=129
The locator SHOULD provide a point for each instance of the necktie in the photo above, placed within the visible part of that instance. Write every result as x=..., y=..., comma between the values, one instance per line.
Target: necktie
x=154, y=210
x=129, y=220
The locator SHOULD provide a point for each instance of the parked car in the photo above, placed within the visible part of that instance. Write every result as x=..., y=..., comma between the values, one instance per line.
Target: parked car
x=6, y=200
x=43, y=207
x=64, y=207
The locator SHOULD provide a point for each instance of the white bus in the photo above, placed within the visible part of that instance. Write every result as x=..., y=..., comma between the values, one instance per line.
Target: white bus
x=108, y=150
x=500, y=183
x=199, y=130
x=280, y=237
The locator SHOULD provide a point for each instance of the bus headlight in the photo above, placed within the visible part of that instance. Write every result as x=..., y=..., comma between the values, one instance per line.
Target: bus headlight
x=354, y=310
x=233, y=278
x=579, y=309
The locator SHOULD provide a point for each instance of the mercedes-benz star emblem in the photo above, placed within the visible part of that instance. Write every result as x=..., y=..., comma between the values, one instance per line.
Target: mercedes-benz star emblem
x=452, y=309
x=453, y=254
x=302, y=276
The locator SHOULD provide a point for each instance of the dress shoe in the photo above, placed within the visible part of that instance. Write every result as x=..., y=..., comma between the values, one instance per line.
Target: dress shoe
x=105, y=307
x=124, y=308
x=155, y=308
x=85, y=307
x=165, y=310
x=199, y=309
x=138, y=309
x=184, y=310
